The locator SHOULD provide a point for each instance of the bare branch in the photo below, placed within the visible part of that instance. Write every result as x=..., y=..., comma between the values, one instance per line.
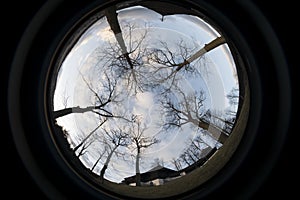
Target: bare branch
x=89, y=135
x=190, y=110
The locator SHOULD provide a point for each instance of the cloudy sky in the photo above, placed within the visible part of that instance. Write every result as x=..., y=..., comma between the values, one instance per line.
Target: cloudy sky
x=216, y=79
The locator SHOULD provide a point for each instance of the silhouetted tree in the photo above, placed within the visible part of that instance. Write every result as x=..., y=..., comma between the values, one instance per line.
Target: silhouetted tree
x=190, y=110
x=140, y=141
x=84, y=147
x=233, y=96
x=169, y=61
x=88, y=136
x=177, y=164
x=158, y=162
x=99, y=158
x=220, y=119
x=196, y=150
x=133, y=75
x=107, y=96
x=126, y=55
x=114, y=139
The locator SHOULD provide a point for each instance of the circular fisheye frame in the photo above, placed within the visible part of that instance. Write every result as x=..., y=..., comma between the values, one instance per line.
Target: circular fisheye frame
x=136, y=99
x=146, y=100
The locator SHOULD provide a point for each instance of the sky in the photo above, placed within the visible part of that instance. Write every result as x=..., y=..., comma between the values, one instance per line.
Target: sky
x=217, y=79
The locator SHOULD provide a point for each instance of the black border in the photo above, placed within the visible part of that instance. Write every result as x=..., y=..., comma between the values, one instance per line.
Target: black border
x=284, y=164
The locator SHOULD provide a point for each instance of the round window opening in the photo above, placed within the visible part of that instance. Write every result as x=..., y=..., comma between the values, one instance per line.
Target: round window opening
x=146, y=100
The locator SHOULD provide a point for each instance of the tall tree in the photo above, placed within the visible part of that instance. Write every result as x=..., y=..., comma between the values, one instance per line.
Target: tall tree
x=233, y=96
x=108, y=95
x=168, y=62
x=84, y=147
x=112, y=18
x=88, y=136
x=128, y=58
x=190, y=110
x=141, y=141
x=196, y=150
x=114, y=139
x=99, y=158
x=177, y=164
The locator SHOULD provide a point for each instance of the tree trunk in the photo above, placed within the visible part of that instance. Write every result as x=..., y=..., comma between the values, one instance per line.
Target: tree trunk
x=103, y=171
x=112, y=18
x=207, y=47
x=66, y=111
x=107, y=162
x=137, y=169
x=216, y=133
x=138, y=179
x=97, y=161
x=87, y=137
x=81, y=151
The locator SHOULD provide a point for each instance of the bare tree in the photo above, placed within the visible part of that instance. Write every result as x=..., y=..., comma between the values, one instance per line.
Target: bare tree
x=233, y=96
x=88, y=136
x=114, y=139
x=158, y=162
x=140, y=141
x=222, y=120
x=185, y=160
x=112, y=18
x=166, y=59
x=177, y=164
x=168, y=62
x=207, y=47
x=65, y=98
x=84, y=147
x=195, y=151
x=99, y=158
x=107, y=96
x=190, y=110
x=127, y=54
